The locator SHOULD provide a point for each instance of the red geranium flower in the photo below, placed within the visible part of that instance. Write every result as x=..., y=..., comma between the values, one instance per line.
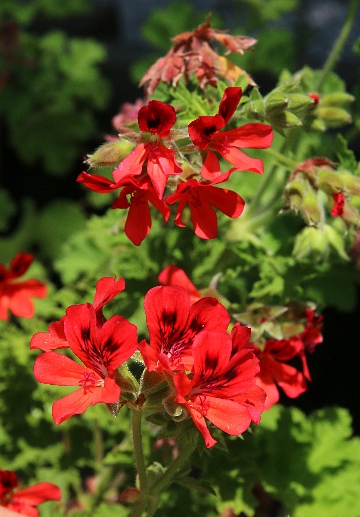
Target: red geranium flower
x=16, y=296
x=222, y=384
x=106, y=289
x=174, y=275
x=137, y=197
x=159, y=162
x=173, y=324
x=101, y=349
x=274, y=372
x=24, y=501
x=206, y=135
x=201, y=197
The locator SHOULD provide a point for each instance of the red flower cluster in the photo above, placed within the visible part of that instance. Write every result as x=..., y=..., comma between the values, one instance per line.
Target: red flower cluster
x=143, y=175
x=274, y=371
x=24, y=501
x=16, y=296
x=102, y=345
x=213, y=374
x=209, y=372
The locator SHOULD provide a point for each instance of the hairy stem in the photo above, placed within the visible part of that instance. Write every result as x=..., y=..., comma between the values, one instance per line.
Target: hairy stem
x=138, y=450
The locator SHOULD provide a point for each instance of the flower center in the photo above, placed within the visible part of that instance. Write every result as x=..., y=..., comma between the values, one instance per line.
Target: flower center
x=90, y=382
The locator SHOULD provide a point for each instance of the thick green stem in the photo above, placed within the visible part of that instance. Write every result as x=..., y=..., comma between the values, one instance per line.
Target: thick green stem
x=138, y=450
x=338, y=46
x=173, y=468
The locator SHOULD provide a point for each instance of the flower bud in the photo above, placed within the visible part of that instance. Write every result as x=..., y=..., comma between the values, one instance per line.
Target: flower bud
x=110, y=153
x=351, y=214
x=337, y=99
x=299, y=101
x=294, y=193
x=275, y=101
x=329, y=181
x=310, y=241
x=311, y=207
x=284, y=119
x=350, y=182
x=333, y=116
x=176, y=411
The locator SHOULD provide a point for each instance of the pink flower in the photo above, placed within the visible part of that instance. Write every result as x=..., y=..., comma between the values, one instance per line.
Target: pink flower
x=206, y=135
x=201, y=198
x=24, y=501
x=221, y=387
x=16, y=296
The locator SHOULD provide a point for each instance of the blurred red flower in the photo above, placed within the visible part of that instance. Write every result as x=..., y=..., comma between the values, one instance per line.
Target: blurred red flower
x=24, y=501
x=16, y=296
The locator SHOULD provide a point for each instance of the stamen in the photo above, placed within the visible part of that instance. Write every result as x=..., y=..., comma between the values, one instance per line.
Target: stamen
x=89, y=382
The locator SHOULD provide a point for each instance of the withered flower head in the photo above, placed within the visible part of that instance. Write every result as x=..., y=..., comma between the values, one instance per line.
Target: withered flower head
x=193, y=53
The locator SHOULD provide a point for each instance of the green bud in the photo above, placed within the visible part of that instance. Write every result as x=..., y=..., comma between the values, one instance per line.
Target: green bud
x=176, y=411
x=337, y=99
x=336, y=241
x=311, y=207
x=294, y=193
x=329, y=181
x=351, y=183
x=299, y=101
x=309, y=242
x=332, y=116
x=110, y=153
x=351, y=214
x=284, y=119
x=275, y=101
x=318, y=125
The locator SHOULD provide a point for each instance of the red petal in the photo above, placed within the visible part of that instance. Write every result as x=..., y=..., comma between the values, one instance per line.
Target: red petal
x=58, y=369
x=37, y=494
x=240, y=160
x=249, y=136
x=157, y=118
x=106, y=289
x=227, y=415
x=211, y=166
x=174, y=275
x=229, y=102
x=95, y=182
x=132, y=164
x=202, y=130
x=138, y=222
x=20, y=264
x=227, y=201
x=161, y=163
x=76, y=403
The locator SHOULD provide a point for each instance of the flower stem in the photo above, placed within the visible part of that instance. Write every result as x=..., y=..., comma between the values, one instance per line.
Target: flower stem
x=138, y=450
x=339, y=45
